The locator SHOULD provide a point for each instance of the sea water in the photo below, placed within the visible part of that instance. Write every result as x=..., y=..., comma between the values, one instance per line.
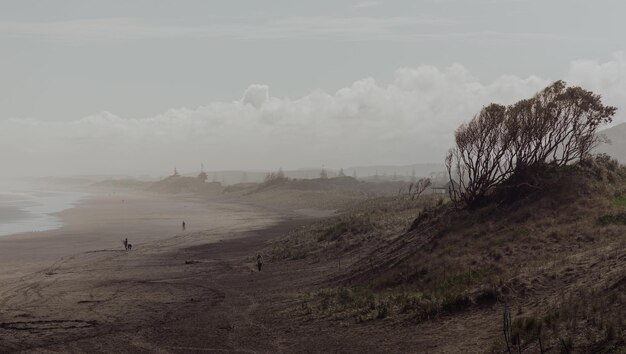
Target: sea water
x=34, y=210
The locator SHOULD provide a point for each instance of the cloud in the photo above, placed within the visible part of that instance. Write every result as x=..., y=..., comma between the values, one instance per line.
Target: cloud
x=409, y=119
x=256, y=95
x=608, y=78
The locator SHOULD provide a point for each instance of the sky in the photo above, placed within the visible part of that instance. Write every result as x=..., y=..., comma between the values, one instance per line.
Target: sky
x=139, y=87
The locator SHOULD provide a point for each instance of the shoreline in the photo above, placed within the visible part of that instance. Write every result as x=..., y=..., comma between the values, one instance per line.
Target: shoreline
x=145, y=301
x=175, y=292
x=36, y=210
x=188, y=292
x=102, y=220
x=90, y=297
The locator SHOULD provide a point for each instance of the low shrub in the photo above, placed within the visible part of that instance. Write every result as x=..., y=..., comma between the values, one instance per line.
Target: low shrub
x=612, y=219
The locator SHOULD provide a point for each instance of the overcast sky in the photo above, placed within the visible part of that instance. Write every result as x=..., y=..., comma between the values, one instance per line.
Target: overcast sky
x=97, y=87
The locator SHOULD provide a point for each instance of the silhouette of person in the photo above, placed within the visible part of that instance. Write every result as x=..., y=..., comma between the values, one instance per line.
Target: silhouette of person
x=184, y=225
x=259, y=262
x=126, y=243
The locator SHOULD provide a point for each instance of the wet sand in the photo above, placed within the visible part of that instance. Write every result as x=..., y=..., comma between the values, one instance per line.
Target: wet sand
x=102, y=221
x=162, y=298
x=79, y=282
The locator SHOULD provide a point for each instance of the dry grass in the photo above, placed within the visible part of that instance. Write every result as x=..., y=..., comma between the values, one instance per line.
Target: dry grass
x=556, y=256
x=370, y=220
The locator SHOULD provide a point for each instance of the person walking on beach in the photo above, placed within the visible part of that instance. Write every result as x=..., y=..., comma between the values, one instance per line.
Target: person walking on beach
x=184, y=225
x=259, y=262
x=125, y=242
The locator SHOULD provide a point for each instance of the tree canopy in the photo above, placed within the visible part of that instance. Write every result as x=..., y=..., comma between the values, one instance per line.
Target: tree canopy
x=557, y=126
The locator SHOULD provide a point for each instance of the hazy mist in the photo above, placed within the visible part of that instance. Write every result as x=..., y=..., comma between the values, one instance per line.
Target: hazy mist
x=143, y=87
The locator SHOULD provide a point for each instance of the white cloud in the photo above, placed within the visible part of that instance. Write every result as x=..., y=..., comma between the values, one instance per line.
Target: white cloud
x=256, y=95
x=410, y=119
x=608, y=78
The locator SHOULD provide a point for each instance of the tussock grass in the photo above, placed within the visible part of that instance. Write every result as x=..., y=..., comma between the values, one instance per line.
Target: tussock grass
x=588, y=321
x=365, y=304
x=557, y=255
x=377, y=218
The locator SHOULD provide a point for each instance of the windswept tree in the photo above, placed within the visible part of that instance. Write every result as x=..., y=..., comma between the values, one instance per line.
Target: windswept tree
x=556, y=127
x=481, y=158
x=417, y=188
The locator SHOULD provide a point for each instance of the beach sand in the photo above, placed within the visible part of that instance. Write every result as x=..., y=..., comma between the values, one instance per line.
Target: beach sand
x=191, y=292
x=78, y=281
x=102, y=221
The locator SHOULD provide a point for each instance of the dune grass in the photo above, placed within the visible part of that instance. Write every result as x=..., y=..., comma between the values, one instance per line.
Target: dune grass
x=555, y=256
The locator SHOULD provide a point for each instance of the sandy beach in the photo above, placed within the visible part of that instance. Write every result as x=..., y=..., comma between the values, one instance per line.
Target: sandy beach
x=78, y=281
x=176, y=292
x=76, y=290
x=100, y=222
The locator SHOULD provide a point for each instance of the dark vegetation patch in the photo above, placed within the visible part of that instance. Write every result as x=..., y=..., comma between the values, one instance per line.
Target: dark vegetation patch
x=620, y=201
x=615, y=219
x=47, y=325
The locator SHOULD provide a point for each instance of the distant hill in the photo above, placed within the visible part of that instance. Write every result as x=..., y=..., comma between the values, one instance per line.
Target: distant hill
x=339, y=185
x=616, y=147
x=375, y=172
x=403, y=172
x=180, y=184
x=123, y=183
x=168, y=185
x=316, y=193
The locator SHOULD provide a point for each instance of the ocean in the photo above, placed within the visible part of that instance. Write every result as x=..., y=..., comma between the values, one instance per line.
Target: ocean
x=34, y=210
